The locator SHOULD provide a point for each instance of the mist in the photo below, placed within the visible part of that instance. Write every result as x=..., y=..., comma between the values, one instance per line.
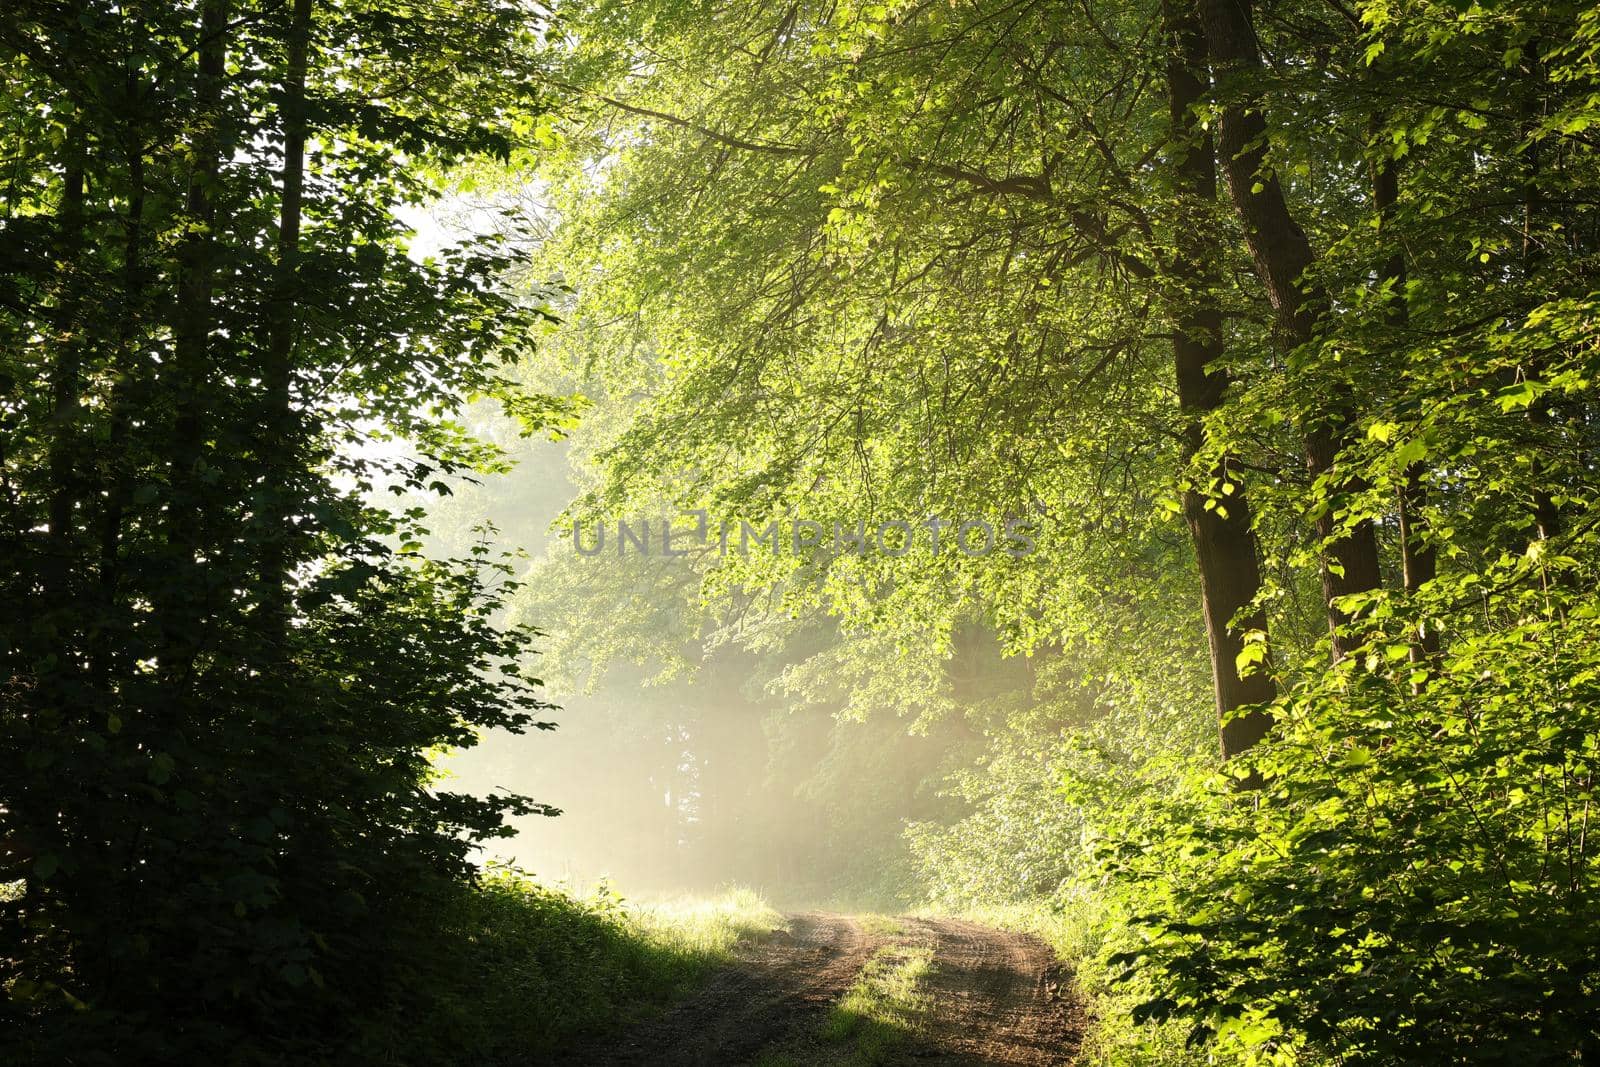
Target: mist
x=687, y=758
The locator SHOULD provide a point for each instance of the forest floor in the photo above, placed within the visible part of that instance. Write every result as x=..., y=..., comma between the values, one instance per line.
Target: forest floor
x=864, y=990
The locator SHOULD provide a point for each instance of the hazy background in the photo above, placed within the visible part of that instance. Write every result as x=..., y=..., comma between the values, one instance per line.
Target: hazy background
x=702, y=748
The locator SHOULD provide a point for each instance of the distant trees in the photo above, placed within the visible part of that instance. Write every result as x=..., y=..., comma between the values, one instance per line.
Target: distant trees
x=221, y=669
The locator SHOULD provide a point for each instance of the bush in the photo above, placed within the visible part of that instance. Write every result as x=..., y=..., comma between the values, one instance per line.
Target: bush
x=1416, y=881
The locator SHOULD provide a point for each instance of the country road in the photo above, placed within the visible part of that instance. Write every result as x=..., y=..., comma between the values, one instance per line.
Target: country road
x=986, y=997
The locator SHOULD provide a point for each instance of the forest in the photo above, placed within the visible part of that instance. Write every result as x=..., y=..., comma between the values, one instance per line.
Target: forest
x=776, y=532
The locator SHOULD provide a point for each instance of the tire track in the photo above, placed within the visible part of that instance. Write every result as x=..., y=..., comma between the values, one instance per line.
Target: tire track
x=999, y=998
x=779, y=992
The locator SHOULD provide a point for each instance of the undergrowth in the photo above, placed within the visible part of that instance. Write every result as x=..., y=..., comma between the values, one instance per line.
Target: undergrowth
x=517, y=968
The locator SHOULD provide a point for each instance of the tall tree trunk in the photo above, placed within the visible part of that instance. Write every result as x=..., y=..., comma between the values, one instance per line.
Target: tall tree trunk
x=1418, y=562
x=110, y=650
x=1224, y=544
x=118, y=475
x=280, y=439
x=66, y=374
x=194, y=321
x=1282, y=254
x=1547, y=517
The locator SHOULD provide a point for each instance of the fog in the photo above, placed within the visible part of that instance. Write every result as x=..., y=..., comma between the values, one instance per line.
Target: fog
x=685, y=761
x=691, y=755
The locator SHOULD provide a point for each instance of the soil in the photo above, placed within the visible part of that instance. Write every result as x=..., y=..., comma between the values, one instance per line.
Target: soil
x=997, y=998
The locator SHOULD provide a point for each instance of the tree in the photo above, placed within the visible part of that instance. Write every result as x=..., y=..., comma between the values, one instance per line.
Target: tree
x=225, y=665
x=915, y=259
x=1219, y=521
x=1027, y=276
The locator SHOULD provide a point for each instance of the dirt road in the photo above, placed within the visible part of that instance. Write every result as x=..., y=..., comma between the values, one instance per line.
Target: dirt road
x=988, y=997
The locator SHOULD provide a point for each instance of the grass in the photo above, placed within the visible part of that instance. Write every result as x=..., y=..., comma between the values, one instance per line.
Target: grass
x=511, y=968
x=884, y=1006
x=882, y=925
x=706, y=928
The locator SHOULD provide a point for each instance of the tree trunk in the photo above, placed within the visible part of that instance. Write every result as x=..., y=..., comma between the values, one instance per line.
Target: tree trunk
x=193, y=323
x=66, y=374
x=1418, y=562
x=1547, y=518
x=279, y=440
x=1224, y=543
x=117, y=476
x=1282, y=254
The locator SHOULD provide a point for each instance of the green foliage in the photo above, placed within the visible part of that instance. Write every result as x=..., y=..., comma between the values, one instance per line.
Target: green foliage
x=225, y=664
x=832, y=325
x=928, y=259
x=1416, y=880
x=509, y=968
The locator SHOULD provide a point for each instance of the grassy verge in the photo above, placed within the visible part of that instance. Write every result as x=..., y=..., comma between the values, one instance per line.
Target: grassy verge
x=511, y=968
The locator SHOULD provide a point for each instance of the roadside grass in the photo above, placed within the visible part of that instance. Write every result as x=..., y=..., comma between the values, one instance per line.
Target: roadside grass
x=1070, y=922
x=511, y=968
x=708, y=927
